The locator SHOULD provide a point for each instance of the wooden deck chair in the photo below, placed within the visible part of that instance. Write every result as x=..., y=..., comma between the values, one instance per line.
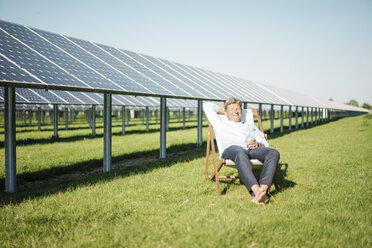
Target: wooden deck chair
x=248, y=115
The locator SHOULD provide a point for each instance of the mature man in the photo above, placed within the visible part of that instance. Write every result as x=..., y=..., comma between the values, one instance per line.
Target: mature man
x=236, y=143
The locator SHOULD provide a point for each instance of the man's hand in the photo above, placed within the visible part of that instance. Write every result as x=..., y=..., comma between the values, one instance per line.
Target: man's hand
x=252, y=144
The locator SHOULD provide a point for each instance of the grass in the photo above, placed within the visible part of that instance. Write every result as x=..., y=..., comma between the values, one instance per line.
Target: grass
x=325, y=174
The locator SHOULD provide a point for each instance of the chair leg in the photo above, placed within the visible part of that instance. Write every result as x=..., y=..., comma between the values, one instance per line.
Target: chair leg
x=218, y=169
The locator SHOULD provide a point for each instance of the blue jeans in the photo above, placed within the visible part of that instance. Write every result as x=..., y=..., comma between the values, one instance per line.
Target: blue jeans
x=268, y=156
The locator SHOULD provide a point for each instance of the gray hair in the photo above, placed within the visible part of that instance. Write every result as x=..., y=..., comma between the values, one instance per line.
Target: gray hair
x=232, y=100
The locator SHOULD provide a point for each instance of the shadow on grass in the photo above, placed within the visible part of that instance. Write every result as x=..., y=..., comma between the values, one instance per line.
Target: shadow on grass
x=51, y=140
x=178, y=153
x=280, y=177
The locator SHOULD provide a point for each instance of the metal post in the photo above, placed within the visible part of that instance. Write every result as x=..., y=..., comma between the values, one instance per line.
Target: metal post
x=245, y=105
x=163, y=108
x=272, y=118
x=66, y=118
x=281, y=119
x=71, y=115
x=296, y=114
x=312, y=115
x=55, y=120
x=260, y=110
x=316, y=115
x=199, y=141
x=43, y=113
x=128, y=117
x=147, y=119
x=302, y=117
x=93, y=112
x=30, y=115
x=307, y=117
x=184, y=117
x=39, y=118
x=167, y=118
x=107, y=160
x=123, y=120
x=290, y=118
x=10, y=140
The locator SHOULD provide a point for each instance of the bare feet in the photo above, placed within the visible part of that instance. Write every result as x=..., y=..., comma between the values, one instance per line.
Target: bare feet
x=260, y=197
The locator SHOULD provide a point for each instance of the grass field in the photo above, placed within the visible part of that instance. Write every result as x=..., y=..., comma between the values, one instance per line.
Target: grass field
x=325, y=178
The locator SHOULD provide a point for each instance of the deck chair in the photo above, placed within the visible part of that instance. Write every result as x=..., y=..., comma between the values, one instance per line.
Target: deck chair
x=248, y=115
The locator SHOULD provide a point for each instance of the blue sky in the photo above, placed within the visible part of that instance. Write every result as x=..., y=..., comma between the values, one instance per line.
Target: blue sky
x=321, y=47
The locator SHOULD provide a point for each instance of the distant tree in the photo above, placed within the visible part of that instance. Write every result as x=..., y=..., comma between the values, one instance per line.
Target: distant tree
x=353, y=102
x=331, y=99
x=366, y=106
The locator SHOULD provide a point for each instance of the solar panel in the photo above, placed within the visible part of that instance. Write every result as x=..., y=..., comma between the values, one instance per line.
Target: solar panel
x=132, y=60
x=194, y=80
x=130, y=69
x=115, y=69
x=180, y=77
x=31, y=61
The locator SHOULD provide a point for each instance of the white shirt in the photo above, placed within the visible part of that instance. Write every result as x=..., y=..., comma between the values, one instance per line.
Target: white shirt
x=230, y=133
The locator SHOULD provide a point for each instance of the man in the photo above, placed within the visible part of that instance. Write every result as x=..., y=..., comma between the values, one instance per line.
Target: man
x=235, y=143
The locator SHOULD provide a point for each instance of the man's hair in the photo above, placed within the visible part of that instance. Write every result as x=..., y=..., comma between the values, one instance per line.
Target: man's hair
x=232, y=100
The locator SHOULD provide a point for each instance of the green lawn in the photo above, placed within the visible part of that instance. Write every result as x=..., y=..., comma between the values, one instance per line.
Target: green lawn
x=325, y=177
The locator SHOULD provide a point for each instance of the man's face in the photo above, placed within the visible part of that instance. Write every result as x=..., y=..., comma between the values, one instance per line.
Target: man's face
x=234, y=112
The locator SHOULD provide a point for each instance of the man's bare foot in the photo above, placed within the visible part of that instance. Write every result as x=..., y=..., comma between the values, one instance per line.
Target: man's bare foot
x=260, y=197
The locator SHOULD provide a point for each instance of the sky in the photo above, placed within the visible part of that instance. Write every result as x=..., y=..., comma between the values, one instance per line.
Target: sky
x=322, y=48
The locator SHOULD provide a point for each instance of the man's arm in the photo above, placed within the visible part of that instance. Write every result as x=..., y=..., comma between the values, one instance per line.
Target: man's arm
x=212, y=111
x=220, y=110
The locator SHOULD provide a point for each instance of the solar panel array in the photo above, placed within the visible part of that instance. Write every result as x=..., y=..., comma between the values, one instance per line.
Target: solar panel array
x=72, y=67
x=37, y=58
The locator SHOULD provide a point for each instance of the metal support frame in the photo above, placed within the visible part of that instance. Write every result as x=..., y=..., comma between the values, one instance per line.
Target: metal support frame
x=10, y=140
x=147, y=119
x=93, y=114
x=290, y=118
x=55, y=114
x=39, y=118
x=296, y=114
x=281, y=119
x=272, y=118
x=167, y=118
x=30, y=115
x=199, y=141
x=163, y=109
x=107, y=131
x=184, y=117
x=128, y=117
x=123, y=120
x=71, y=115
x=302, y=117
x=66, y=118
x=260, y=109
x=307, y=116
